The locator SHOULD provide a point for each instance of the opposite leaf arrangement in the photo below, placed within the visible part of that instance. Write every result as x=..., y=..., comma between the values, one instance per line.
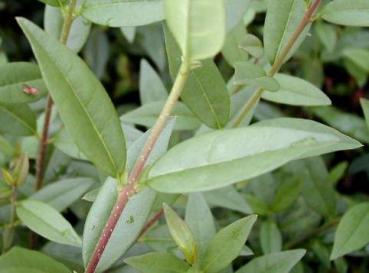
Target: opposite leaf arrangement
x=202, y=152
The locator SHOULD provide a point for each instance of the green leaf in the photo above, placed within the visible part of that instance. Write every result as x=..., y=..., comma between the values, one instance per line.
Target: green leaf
x=286, y=194
x=327, y=34
x=158, y=262
x=55, y=3
x=84, y=108
x=129, y=33
x=281, y=22
x=253, y=75
x=151, y=86
x=200, y=220
x=47, y=222
x=17, y=120
x=347, y=123
x=347, y=12
x=235, y=10
x=252, y=45
x=198, y=26
x=20, y=260
x=119, y=13
x=365, y=106
x=229, y=156
x=126, y=231
x=358, y=56
x=14, y=77
x=181, y=234
x=64, y=193
x=227, y=245
x=352, y=231
x=147, y=114
x=280, y=262
x=80, y=29
x=228, y=197
x=205, y=92
x=296, y=91
x=270, y=237
x=232, y=50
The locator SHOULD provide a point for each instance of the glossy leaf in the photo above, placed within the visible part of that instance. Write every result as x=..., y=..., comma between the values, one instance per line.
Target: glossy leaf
x=281, y=22
x=17, y=120
x=229, y=156
x=20, y=260
x=296, y=91
x=47, y=222
x=181, y=234
x=121, y=13
x=227, y=245
x=280, y=262
x=352, y=231
x=64, y=193
x=200, y=220
x=151, y=86
x=347, y=12
x=80, y=29
x=128, y=228
x=15, y=77
x=84, y=108
x=157, y=262
x=198, y=26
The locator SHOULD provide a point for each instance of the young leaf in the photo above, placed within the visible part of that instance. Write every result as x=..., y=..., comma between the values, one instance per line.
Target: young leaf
x=347, y=12
x=15, y=77
x=200, y=220
x=64, y=193
x=20, y=260
x=229, y=156
x=281, y=21
x=47, y=222
x=80, y=29
x=270, y=237
x=17, y=120
x=205, y=92
x=151, y=86
x=227, y=245
x=296, y=91
x=198, y=26
x=119, y=13
x=181, y=234
x=84, y=108
x=254, y=75
x=128, y=228
x=352, y=232
x=157, y=262
x=280, y=262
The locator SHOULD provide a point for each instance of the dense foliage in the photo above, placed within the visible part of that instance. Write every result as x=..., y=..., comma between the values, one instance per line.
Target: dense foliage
x=170, y=136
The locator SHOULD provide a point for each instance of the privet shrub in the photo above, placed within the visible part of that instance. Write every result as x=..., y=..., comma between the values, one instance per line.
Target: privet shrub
x=84, y=190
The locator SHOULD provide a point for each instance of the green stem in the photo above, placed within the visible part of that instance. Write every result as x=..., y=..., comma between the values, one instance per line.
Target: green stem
x=41, y=156
x=133, y=179
x=279, y=61
x=8, y=233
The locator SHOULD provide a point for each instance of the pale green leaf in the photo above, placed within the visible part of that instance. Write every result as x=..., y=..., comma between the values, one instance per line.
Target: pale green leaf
x=296, y=91
x=82, y=102
x=198, y=26
x=280, y=262
x=17, y=120
x=158, y=262
x=227, y=245
x=229, y=156
x=347, y=12
x=270, y=237
x=47, y=222
x=55, y=3
x=235, y=10
x=20, y=260
x=252, y=45
x=352, y=231
x=119, y=13
x=232, y=50
x=128, y=227
x=358, y=56
x=365, y=106
x=281, y=21
x=15, y=77
x=327, y=34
